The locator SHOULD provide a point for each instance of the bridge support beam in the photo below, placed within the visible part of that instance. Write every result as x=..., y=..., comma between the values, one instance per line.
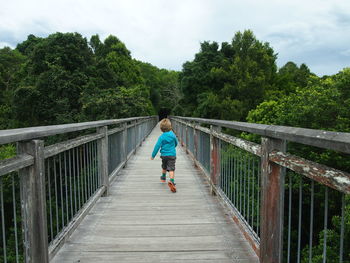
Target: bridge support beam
x=33, y=204
x=272, y=201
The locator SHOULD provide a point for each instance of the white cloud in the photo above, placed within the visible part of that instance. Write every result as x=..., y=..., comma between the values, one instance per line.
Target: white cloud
x=167, y=33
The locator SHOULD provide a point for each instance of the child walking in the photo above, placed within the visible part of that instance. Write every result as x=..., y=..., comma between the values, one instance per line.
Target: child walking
x=167, y=143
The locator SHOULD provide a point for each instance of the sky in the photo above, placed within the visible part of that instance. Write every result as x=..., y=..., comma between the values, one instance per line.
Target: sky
x=168, y=33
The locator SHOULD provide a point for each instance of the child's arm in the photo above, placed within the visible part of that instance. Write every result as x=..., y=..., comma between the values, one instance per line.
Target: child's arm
x=156, y=148
x=176, y=142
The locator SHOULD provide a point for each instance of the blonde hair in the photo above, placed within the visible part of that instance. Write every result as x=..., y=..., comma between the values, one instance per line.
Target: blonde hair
x=165, y=125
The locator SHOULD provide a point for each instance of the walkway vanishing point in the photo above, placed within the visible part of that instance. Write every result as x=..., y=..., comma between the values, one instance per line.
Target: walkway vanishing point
x=142, y=221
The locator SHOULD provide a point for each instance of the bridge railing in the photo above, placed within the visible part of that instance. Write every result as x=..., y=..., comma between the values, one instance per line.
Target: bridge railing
x=290, y=209
x=45, y=191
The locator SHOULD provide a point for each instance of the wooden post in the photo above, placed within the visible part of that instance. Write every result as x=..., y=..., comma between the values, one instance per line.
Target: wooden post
x=272, y=201
x=195, y=144
x=33, y=203
x=124, y=143
x=140, y=133
x=135, y=135
x=102, y=147
x=182, y=135
x=214, y=155
x=186, y=136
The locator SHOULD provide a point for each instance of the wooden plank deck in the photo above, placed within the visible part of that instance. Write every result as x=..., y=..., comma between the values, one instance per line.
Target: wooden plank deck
x=142, y=221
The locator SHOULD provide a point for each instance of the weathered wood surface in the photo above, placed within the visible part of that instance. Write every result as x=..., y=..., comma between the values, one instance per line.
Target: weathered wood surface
x=23, y=134
x=142, y=221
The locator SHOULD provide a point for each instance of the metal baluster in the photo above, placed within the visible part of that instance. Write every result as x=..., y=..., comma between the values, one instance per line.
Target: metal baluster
x=74, y=162
x=231, y=179
x=92, y=168
x=65, y=180
x=89, y=168
x=228, y=176
x=70, y=184
x=248, y=194
x=244, y=185
x=311, y=219
x=62, y=203
x=240, y=185
x=82, y=177
x=226, y=167
x=234, y=159
x=224, y=189
x=96, y=166
x=15, y=216
x=50, y=204
x=325, y=226
x=300, y=215
x=55, y=176
x=3, y=221
x=88, y=171
x=253, y=192
x=78, y=160
x=222, y=168
x=289, y=216
x=258, y=194
x=84, y=171
x=222, y=177
x=341, y=250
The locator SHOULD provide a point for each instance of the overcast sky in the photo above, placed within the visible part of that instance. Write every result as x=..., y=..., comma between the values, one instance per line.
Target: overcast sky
x=168, y=33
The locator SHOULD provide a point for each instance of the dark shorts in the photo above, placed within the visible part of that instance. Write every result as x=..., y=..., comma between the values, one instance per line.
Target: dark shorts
x=168, y=163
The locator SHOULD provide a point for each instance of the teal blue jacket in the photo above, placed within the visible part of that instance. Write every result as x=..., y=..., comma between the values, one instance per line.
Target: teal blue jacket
x=167, y=143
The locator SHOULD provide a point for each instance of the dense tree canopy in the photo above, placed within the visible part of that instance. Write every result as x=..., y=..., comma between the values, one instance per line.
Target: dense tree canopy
x=64, y=78
x=226, y=83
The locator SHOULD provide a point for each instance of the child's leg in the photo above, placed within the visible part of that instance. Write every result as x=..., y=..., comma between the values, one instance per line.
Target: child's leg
x=171, y=183
x=163, y=177
x=172, y=175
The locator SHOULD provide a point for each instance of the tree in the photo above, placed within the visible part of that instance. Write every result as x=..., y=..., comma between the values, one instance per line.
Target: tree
x=116, y=103
x=11, y=63
x=55, y=73
x=195, y=77
x=165, y=93
x=241, y=73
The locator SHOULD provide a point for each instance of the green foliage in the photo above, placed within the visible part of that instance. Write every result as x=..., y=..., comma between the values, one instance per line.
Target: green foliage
x=117, y=103
x=56, y=70
x=11, y=62
x=52, y=80
x=165, y=93
x=239, y=74
x=323, y=104
x=7, y=151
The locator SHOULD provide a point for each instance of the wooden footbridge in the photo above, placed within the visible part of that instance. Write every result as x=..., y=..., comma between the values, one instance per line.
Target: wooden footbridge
x=93, y=194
